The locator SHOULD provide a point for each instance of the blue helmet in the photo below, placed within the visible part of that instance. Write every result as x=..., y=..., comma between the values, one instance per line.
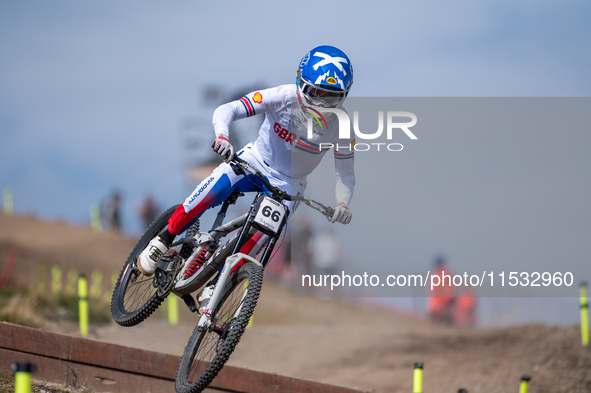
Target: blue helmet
x=324, y=77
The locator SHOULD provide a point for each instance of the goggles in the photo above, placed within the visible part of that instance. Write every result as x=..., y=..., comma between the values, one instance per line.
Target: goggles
x=320, y=97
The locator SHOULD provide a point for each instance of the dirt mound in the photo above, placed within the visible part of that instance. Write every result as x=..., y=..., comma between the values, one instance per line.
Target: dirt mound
x=482, y=360
x=59, y=243
x=348, y=343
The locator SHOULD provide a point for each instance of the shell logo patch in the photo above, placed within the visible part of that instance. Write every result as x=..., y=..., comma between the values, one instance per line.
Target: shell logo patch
x=258, y=97
x=331, y=80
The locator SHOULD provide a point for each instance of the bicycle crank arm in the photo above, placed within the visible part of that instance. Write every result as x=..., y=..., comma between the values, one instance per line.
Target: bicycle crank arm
x=231, y=262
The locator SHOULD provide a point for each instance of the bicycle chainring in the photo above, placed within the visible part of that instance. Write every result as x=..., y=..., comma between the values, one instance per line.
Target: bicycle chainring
x=165, y=279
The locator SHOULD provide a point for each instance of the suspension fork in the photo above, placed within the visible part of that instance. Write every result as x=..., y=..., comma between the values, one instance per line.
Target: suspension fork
x=235, y=258
x=231, y=262
x=245, y=228
x=267, y=253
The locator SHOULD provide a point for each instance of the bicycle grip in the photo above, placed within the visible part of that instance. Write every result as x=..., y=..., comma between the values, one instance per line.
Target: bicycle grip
x=226, y=157
x=329, y=212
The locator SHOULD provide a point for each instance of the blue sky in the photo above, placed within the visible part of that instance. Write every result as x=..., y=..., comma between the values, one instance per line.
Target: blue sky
x=92, y=94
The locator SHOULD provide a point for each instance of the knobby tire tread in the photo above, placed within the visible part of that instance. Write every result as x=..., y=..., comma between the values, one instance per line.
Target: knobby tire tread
x=255, y=278
x=132, y=318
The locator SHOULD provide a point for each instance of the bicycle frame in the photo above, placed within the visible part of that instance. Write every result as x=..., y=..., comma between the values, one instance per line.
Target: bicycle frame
x=231, y=295
x=231, y=247
x=208, y=270
x=229, y=254
x=246, y=222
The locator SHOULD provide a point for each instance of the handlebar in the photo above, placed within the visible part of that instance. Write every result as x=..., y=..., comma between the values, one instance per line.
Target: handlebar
x=245, y=166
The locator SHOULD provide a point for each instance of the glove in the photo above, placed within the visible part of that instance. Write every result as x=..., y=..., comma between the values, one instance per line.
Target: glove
x=341, y=214
x=223, y=147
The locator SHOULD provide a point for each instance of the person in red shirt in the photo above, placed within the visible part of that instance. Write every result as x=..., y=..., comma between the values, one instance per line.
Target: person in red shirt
x=440, y=304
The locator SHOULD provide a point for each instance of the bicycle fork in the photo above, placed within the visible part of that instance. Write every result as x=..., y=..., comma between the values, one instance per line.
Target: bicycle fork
x=231, y=262
x=235, y=258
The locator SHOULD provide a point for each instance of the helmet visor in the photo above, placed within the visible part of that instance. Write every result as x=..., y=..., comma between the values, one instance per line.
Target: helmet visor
x=320, y=97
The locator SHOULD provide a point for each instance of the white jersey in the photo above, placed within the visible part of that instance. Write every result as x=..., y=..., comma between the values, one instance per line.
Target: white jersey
x=283, y=142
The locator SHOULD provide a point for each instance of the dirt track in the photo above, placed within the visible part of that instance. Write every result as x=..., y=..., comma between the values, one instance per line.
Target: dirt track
x=337, y=343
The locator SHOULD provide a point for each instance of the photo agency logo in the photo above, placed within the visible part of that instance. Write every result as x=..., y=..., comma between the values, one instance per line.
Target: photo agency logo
x=396, y=121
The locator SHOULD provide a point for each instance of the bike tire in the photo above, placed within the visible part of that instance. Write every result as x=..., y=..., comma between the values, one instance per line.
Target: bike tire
x=135, y=296
x=207, y=351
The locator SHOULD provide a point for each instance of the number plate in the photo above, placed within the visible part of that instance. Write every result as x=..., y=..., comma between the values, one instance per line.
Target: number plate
x=270, y=214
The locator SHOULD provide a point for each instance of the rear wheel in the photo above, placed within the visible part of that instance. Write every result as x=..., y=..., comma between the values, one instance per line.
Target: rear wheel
x=208, y=350
x=135, y=296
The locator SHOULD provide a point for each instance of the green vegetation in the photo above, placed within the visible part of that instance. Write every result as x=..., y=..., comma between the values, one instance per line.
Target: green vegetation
x=23, y=306
x=7, y=385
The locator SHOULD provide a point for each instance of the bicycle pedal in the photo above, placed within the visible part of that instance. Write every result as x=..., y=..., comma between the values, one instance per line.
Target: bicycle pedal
x=190, y=302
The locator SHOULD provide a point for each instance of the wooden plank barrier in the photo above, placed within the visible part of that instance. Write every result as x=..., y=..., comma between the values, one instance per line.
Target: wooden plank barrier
x=103, y=367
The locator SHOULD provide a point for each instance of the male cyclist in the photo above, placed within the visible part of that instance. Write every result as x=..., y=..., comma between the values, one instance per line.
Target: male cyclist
x=283, y=152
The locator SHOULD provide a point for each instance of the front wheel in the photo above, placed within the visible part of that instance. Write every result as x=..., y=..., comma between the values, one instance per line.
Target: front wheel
x=208, y=350
x=135, y=296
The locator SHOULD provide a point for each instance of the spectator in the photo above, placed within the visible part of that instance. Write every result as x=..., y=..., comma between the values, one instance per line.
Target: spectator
x=111, y=211
x=301, y=256
x=326, y=252
x=465, y=305
x=441, y=299
x=148, y=211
